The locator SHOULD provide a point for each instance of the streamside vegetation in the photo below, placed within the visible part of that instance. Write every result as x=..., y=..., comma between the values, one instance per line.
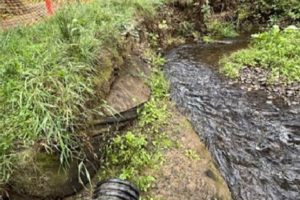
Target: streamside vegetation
x=276, y=50
x=269, y=11
x=141, y=147
x=273, y=54
x=52, y=73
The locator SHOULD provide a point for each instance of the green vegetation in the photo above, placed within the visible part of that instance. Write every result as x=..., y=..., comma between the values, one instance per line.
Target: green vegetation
x=271, y=11
x=277, y=51
x=132, y=155
x=216, y=28
x=192, y=154
x=127, y=156
x=50, y=70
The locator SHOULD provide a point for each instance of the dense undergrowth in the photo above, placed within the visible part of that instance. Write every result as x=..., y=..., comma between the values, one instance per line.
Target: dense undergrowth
x=50, y=70
x=277, y=51
x=269, y=11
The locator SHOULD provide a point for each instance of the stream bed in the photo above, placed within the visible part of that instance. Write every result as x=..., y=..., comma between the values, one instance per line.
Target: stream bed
x=255, y=143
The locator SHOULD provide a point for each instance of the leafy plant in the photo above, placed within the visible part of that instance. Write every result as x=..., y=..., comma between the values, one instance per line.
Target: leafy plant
x=277, y=51
x=127, y=156
x=155, y=112
x=221, y=28
x=192, y=154
x=186, y=28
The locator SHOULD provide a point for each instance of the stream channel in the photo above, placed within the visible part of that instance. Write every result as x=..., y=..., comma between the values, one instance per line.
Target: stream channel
x=255, y=144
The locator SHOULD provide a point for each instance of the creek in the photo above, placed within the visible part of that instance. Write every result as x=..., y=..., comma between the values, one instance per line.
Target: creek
x=255, y=144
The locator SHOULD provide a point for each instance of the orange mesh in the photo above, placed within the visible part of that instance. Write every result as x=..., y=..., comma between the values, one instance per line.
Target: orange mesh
x=16, y=12
x=26, y=12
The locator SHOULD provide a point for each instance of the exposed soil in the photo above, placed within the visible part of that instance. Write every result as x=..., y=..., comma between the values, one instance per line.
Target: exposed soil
x=183, y=177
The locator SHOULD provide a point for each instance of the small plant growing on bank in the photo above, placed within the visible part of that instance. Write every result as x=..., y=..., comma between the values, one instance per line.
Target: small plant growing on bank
x=192, y=154
x=221, y=28
x=127, y=156
x=132, y=155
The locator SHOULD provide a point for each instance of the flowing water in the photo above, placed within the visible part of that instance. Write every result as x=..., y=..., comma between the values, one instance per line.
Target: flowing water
x=255, y=144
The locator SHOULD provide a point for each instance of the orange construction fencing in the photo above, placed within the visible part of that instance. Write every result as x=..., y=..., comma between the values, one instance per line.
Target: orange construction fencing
x=26, y=12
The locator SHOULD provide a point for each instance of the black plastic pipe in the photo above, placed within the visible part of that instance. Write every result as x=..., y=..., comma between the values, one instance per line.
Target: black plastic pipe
x=116, y=189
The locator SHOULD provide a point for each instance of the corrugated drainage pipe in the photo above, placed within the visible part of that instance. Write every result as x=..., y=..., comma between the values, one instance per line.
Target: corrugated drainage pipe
x=116, y=189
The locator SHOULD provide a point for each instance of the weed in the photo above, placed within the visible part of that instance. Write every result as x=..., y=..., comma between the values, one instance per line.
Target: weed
x=192, y=154
x=127, y=156
x=186, y=28
x=208, y=39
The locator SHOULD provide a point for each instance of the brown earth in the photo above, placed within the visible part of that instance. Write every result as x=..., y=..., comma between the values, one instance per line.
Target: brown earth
x=188, y=171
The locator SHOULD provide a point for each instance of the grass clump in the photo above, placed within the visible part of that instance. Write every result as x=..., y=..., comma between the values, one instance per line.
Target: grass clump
x=216, y=28
x=221, y=29
x=48, y=73
x=277, y=51
x=135, y=154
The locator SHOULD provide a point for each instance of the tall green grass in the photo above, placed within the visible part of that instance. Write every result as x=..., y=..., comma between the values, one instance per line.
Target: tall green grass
x=49, y=71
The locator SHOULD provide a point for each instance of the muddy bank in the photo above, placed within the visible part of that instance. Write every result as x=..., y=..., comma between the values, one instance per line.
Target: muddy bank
x=255, y=143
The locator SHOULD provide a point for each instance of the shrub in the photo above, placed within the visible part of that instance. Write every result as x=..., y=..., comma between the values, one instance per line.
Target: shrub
x=274, y=11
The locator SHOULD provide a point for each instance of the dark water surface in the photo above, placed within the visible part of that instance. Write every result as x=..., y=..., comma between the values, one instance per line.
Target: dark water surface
x=255, y=144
